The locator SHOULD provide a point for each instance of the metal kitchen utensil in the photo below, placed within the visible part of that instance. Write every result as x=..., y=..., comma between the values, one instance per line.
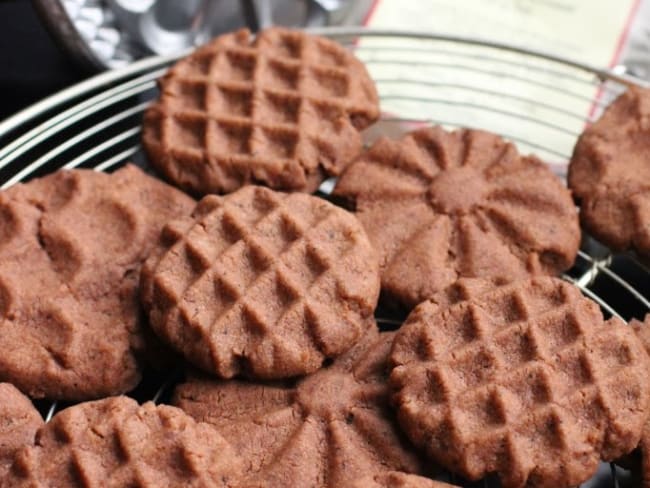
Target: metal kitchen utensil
x=102, y=34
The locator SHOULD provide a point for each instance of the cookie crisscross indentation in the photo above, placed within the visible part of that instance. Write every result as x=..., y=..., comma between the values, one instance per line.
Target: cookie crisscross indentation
x=264, y=104
x=264, y=279
x=115, y=442
x=518, y=377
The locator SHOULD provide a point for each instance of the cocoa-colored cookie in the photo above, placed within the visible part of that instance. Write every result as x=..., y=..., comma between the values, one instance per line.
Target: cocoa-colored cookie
x=262, y=283
x=609, y=174
x=330, y=429
x=395, y=479
x=117, y=443
x=19, y=421
x=644, y=449
x=441, y=205
x=71, y=247
x=283, y=109
x=642, y=330
x=527, y=381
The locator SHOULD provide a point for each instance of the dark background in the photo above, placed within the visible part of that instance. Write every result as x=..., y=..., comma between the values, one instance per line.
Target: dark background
x=31, y=65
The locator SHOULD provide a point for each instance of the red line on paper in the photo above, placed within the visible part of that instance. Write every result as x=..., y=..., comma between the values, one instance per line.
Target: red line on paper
x=371, y=12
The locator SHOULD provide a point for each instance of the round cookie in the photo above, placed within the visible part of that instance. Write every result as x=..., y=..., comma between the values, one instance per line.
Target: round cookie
x=441, y=205
x=644, y=448
x=328, y=430
x=609, y=174
x=395, y=479
x=261, y=283
x=71, y=247
x=116, y=443
x=283, y=109
x=527, y=381
x=19, y=421
x=642, y=330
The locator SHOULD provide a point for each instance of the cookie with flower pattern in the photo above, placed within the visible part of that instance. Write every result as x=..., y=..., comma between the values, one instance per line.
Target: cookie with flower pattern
x=441, y=205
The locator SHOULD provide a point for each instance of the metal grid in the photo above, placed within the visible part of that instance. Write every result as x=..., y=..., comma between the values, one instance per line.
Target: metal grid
x=96, y=124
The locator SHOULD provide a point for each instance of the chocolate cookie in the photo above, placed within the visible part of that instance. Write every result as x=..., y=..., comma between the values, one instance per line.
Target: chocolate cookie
x=609, y=174
x=644, y=449
x=642, y=330
x=71, y=247
x=19, y=421
x=527, y=381
x=261, y=283
x=283, y=109
x=441, y=205
x=117, y=443
x=394, y=479
x=330, y=429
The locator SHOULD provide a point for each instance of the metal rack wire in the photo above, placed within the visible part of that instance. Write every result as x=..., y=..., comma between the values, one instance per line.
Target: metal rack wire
x=96, y=124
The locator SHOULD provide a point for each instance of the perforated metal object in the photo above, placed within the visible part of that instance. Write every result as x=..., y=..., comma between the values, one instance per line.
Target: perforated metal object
x=96, y=124
x=100, y=34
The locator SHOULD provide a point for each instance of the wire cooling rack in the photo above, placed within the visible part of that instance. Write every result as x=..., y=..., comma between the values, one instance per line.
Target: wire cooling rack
x=421, y=78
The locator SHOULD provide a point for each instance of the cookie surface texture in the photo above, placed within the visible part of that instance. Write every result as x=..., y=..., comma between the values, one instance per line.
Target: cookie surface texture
x=70, y=254
x=394, y=479
x=283, y=110
x=19, y=421
x=609, y=174
x=527, y=381
x=115, y=443
x=330, y=429
x=441, y=205
x=261, y=283
x=642, y=330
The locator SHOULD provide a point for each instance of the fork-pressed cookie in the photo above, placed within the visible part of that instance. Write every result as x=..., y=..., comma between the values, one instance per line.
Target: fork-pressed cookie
x=116, y=443
x=283, y=109
x=527, y=381
x=261, y=283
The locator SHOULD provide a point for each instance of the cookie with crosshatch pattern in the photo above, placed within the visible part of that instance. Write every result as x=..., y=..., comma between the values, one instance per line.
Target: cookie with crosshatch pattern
x=328, y=429
x=283, y=109
x=261, y=283
x=527, y=381
x=440, y=205
x=115, y=442
x=19, y=421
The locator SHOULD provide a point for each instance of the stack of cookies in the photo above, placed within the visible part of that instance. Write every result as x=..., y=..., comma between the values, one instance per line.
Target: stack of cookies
x=265, y=296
